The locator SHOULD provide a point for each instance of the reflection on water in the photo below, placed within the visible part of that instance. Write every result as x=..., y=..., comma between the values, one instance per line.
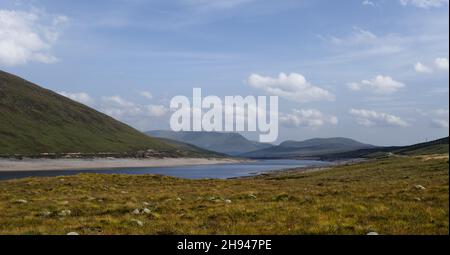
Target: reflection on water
x=220, y=171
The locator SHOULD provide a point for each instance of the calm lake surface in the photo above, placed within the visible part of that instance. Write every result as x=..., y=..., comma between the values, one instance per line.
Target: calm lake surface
x=219, y=171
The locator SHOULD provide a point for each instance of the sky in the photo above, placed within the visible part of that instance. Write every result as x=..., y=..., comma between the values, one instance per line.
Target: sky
x=372, y=70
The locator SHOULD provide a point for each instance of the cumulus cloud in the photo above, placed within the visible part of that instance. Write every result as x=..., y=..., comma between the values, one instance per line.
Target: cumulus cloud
x=441, y=63
x=292, y=87
x=146, y=94
x=380, y=85
x=421, y=68
x=120, y=108
x=440, y=118
x=307, y=118
x=28, y=36
x=156, y=110
x=370, y=118
x=81, y=97
x=425, y=3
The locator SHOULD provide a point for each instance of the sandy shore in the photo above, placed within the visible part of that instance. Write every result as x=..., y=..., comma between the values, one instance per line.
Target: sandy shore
x=98, y=163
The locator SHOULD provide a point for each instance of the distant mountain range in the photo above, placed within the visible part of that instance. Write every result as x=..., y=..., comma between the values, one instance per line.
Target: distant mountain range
x=237, y=145
x=309, y=148
x=34, y=120
x=318, y=148
x=228, y=143
x=439, y=146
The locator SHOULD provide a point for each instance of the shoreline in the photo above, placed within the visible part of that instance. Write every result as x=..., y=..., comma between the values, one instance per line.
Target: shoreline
x=294, y=170
x=12, y=165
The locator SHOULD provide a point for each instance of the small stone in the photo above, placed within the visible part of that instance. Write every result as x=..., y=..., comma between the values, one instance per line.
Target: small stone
x=21, y=201
x=64, y=213
x=252, y=196
x=138, y=222
x=146, y=211
x=228, y=201
x=178, y=198
x=146, y=203
x=417, y=199
x=419, y=187
x=65, y=202
x=46, y=213
x=136, y=211
x=73, y=234
x=372, y=234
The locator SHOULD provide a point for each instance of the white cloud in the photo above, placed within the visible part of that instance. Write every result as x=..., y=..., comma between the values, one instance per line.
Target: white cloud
x=380, y=85
x=28, y=36
x=425, y=3
x=372, y=118
x=293, y=87
x=157, y=110
x=440, y=118
x=118, y=101
x=368, y=3
x=358, y=37
x=307, y=118
x=120, y=108
x=441, y=63
x=81, y=97
x=146, y=94
x=421, y=68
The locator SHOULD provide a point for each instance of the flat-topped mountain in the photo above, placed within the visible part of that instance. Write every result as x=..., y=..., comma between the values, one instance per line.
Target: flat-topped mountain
x=228, y=143
x=34, y=120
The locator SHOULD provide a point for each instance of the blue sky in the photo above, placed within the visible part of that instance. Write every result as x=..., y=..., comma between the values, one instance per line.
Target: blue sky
x=376, y=71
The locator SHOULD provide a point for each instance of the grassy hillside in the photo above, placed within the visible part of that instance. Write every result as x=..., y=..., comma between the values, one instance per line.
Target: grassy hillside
x=308, y=148
x=405, y=195
x=192, y=149
x=35, y=120
x=439, y=146
x=228, y=143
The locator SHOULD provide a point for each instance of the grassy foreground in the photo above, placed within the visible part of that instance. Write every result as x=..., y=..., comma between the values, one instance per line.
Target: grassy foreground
x=407, y=195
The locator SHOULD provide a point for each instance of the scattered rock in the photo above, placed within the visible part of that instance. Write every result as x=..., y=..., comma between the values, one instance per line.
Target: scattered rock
x=73, y=234
x=372, y=234
x=46, y=213
x=252, y=196
x=138, y=222
x=146, y=203
x=178, y=198
x=228, y=201
x=21, y=201
x=146, y=211
x=420, y=187
x=64, y=213
x=417, y=199
x=136, y=211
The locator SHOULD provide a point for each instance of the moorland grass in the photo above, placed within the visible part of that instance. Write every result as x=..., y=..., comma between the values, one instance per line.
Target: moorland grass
x=404, y=195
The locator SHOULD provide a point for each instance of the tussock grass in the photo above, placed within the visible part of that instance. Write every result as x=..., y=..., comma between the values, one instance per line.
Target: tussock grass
x=379, y=195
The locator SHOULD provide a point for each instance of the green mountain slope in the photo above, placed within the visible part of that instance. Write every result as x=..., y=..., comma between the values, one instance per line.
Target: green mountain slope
x=439, y=146
x=308, y=148
x=228, y=143
x=35, y=120
x=194, y=150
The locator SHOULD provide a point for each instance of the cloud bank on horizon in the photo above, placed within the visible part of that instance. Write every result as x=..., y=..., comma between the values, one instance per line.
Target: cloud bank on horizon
x=381, y=65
